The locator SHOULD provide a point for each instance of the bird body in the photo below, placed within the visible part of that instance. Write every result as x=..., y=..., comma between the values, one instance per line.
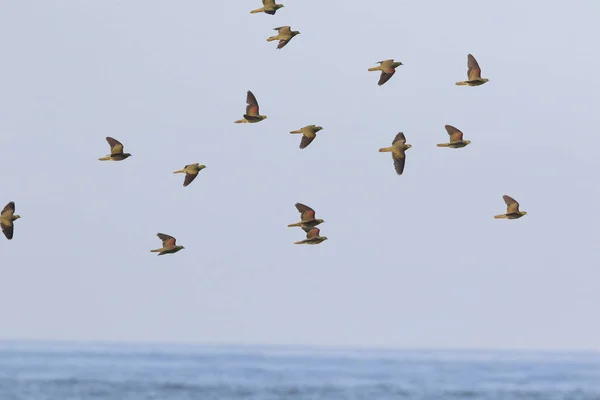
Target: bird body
x=512, y=209
x=269, y=7
x=307, y=218
x=284, y=35
x=309, y=133
x=387, y=68
x=313, y=237
x=456, y=138
x=116, y=151
x=398, y=149
x=7, y=219
x=191, y=172
x=473, y=73
x=252, y=110
x=169, y=245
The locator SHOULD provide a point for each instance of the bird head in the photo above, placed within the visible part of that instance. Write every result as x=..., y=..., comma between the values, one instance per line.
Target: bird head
x=126, y=155
x=295, y=33
x=278, y=6
x=264, y=117
x=467, y=142
x=318, y=128
x=484, y=80
x=324, y=238
x=320, y=221
x=201, y=166
x=408, y=146
x=523, y=212
x=15, y=217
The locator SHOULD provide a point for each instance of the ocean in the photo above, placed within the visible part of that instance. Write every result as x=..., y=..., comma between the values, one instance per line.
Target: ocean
x=62, y=371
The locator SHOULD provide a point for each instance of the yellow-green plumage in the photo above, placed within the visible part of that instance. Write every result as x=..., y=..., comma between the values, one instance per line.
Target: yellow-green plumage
x=252, y=110
x=7, y=219
x=309, y=133
x=313, y=236
x=284, y=35
x=473, y=73
x=398, y=150
x=116, y=151
x=512, y=209
x=456, y=138
x=191, y=172
x=269, y=7
x=169, y=245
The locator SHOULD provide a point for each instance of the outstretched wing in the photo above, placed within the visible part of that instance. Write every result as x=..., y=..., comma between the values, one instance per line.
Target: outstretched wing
x=385, y=75
x=399, y=161
x=116, y=147
x=306, y=141
x=512, y=206
x=167, y=241
x=306, y=213
x=7, y=230
x=9, y=209
x=252, y=107
x=473, y=71
x=455, y=134
x=399, y=137
x=189, y=178
x=313, y=233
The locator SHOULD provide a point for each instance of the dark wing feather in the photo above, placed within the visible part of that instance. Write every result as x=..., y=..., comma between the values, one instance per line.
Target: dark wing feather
x=399, y=137
x=282, y=43
x=511, y=204
x=166, y=239
x=10, y=207
x=385, y=76
x=116, y=147
x=302, y=208
x=8, y=231
x=306, y=141
x=455, y=134
x=473, y=71
x=252, y=107
x=399, y=163
x=189, y=179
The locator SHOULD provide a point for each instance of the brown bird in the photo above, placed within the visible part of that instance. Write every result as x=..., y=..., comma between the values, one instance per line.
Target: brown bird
x=473, y=73
x=387, y=68
x=269, y=7
x=191, y=172
x=7, y=219
x=456, y=138
x=313, y=237
x=512, y=209
x=398, y=149
x=168, y=245
x=252, y=113
x=284, y=35
x=307, y=218
x=309, y=133
x=116, y=151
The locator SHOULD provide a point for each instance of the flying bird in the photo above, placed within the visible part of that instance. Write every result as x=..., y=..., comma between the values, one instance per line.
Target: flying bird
x=191, y=172
x=307, y=218
x=387, y=68
x=7, y=219
x=473, y=73
x=252, y=114
x=269, y=7
x=168, y=245
x=313, y=237
x=284, y=35
x=116, y=151
x=512, y=209
x=456, y=138
x=309, y=133
x=398, y=149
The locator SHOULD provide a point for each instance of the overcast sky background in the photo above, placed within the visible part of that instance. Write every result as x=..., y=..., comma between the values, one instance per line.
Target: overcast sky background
x=412, y=261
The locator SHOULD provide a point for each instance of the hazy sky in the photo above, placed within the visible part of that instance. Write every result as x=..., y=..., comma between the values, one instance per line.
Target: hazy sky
x=412, y=261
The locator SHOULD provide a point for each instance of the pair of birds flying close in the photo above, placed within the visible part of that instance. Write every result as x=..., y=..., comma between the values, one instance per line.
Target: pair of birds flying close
x=399, y=146
x=308, y=223
x=116, y=154
x=388, y=69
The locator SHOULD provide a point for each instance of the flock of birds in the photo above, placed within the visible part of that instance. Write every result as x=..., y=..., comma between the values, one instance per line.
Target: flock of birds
x=308, y=221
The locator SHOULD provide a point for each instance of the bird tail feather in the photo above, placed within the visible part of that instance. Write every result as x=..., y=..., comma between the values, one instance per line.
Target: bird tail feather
x=385, y=149
x=181, y=171
x=104, y=158
x=298, y=131
x=240, y=121
x=501, y=216
x=443, y=145
x=296, y=224
x=272, y=38
x=155, y=251
x=461, y=83
x=257, y=10
x=300, y=242
x=375, y=69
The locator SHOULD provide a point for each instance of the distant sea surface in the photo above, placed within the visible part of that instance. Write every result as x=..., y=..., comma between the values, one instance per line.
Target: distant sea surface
x=135, y=372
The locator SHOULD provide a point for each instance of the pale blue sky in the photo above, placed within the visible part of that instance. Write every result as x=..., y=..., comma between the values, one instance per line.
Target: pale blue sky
x=412, y=261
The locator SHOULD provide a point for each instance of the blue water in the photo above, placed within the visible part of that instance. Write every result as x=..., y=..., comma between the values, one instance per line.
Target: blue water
x=135, y=372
